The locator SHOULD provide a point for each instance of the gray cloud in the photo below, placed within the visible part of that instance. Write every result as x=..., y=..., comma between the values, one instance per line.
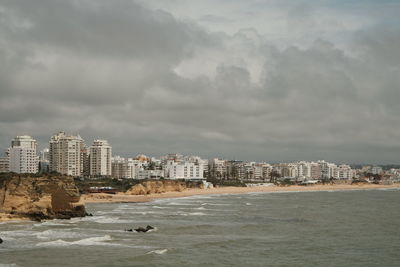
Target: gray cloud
x=152, y=83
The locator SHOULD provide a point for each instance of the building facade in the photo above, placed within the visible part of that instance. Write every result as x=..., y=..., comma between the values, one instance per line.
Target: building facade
x=100, y=158
x=23, y=156
x=65, y=154
x=183, y=170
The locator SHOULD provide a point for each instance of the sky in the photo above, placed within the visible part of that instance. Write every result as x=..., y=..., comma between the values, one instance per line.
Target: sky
x=256, y=80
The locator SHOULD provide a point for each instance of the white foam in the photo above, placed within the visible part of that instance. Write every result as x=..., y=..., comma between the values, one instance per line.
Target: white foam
x=158, y=251
x=158, y=207
x=48, y=223
x=197, y=213
x=99, y=219
x=248, y=204
x=91, y=241
x=52, y=234
x=153, y=230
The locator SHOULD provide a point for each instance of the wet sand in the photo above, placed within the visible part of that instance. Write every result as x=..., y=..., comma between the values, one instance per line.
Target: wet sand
x=124, y=198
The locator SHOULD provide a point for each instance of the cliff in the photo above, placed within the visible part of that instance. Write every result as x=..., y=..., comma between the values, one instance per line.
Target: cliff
x=45, y=197
x=154, y=187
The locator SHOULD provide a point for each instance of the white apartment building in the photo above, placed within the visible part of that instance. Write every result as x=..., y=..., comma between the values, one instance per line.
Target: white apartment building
x=119, y=167
x=45, y=154
x=100, y=158
x=4, y=164
x=217, y=167
x=343, y=172
x=150, y=174
x=126, y=168
x=65, y=154
x=304, y=169
x=183, y=170
x=376, y=170
x=22, y=155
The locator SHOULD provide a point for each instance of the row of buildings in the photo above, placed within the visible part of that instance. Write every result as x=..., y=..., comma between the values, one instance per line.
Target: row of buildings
x=303, y=170
x=68, y=154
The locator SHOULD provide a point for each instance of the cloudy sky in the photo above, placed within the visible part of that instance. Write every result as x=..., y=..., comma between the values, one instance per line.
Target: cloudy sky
x=271, y=80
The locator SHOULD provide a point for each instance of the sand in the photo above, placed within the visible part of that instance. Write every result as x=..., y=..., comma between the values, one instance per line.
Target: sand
x=123, y=198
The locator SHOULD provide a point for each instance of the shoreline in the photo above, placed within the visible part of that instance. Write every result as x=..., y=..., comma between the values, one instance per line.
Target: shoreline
x=124, y=198
x=229, y=190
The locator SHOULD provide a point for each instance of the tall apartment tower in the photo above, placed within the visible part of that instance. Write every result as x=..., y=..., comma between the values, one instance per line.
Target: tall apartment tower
x=65, y=154
x=22, y=155
x=100, y=158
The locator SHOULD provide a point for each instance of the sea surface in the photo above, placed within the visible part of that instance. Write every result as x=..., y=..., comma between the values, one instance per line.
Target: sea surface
x=338, y=228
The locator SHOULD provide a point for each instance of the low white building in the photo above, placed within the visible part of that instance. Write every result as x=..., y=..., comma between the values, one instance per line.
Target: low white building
x=343, y=172
x=183, y=170
x=126, y=168
x=150, y=174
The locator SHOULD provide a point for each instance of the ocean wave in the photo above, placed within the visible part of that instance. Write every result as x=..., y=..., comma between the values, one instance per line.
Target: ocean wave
x=52, y=234
x=158, y=251
x=100, y=219
x=215, y=204
x=159, y=207
x=180, y=213
x=50, y=223
x=11, y=235
x=91, y=241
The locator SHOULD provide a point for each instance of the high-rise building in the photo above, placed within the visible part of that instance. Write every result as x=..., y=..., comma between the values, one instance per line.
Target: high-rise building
x=22, y=155
x=100, y=158
x=25, y=141
x=5, y=163
x=65, y=154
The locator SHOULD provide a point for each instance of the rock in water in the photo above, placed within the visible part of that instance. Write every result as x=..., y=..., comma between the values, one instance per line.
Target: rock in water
x=45, y=197
x=141, y=229
x=144, y=230
x=1, y=240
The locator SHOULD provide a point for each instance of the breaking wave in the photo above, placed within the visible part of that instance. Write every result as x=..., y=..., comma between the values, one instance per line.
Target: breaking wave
x=158, y=251
x=91, y=241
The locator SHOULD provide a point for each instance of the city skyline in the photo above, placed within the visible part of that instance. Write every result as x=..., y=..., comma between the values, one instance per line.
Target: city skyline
x=275, y=81
x=133, y=155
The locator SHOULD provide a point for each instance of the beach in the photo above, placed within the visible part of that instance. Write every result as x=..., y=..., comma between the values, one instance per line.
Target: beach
x=125, y=198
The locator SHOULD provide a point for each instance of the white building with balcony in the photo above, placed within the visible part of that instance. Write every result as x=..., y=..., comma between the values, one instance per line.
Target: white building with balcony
x=183, y=170
x=100, y=158
x=65, y=154
x=22, y=155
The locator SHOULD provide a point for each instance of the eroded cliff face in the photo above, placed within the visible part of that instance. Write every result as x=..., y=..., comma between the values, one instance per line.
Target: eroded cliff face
x=154, y=187
x=46, y=197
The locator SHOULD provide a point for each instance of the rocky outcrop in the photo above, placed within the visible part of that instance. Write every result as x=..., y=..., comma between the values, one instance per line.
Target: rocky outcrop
x=45, y=197
x=155, y=187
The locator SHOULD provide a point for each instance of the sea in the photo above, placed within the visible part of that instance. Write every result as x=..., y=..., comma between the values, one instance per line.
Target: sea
x=329, y=228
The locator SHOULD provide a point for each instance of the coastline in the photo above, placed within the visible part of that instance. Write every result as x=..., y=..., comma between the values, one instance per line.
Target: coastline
x=124, y=198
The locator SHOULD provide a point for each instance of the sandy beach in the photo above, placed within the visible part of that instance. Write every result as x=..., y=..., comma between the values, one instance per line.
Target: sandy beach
x=125, y=198
x=120, y=197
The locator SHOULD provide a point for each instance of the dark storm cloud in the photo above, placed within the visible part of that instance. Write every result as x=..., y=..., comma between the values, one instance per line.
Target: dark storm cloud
x=153, y=84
